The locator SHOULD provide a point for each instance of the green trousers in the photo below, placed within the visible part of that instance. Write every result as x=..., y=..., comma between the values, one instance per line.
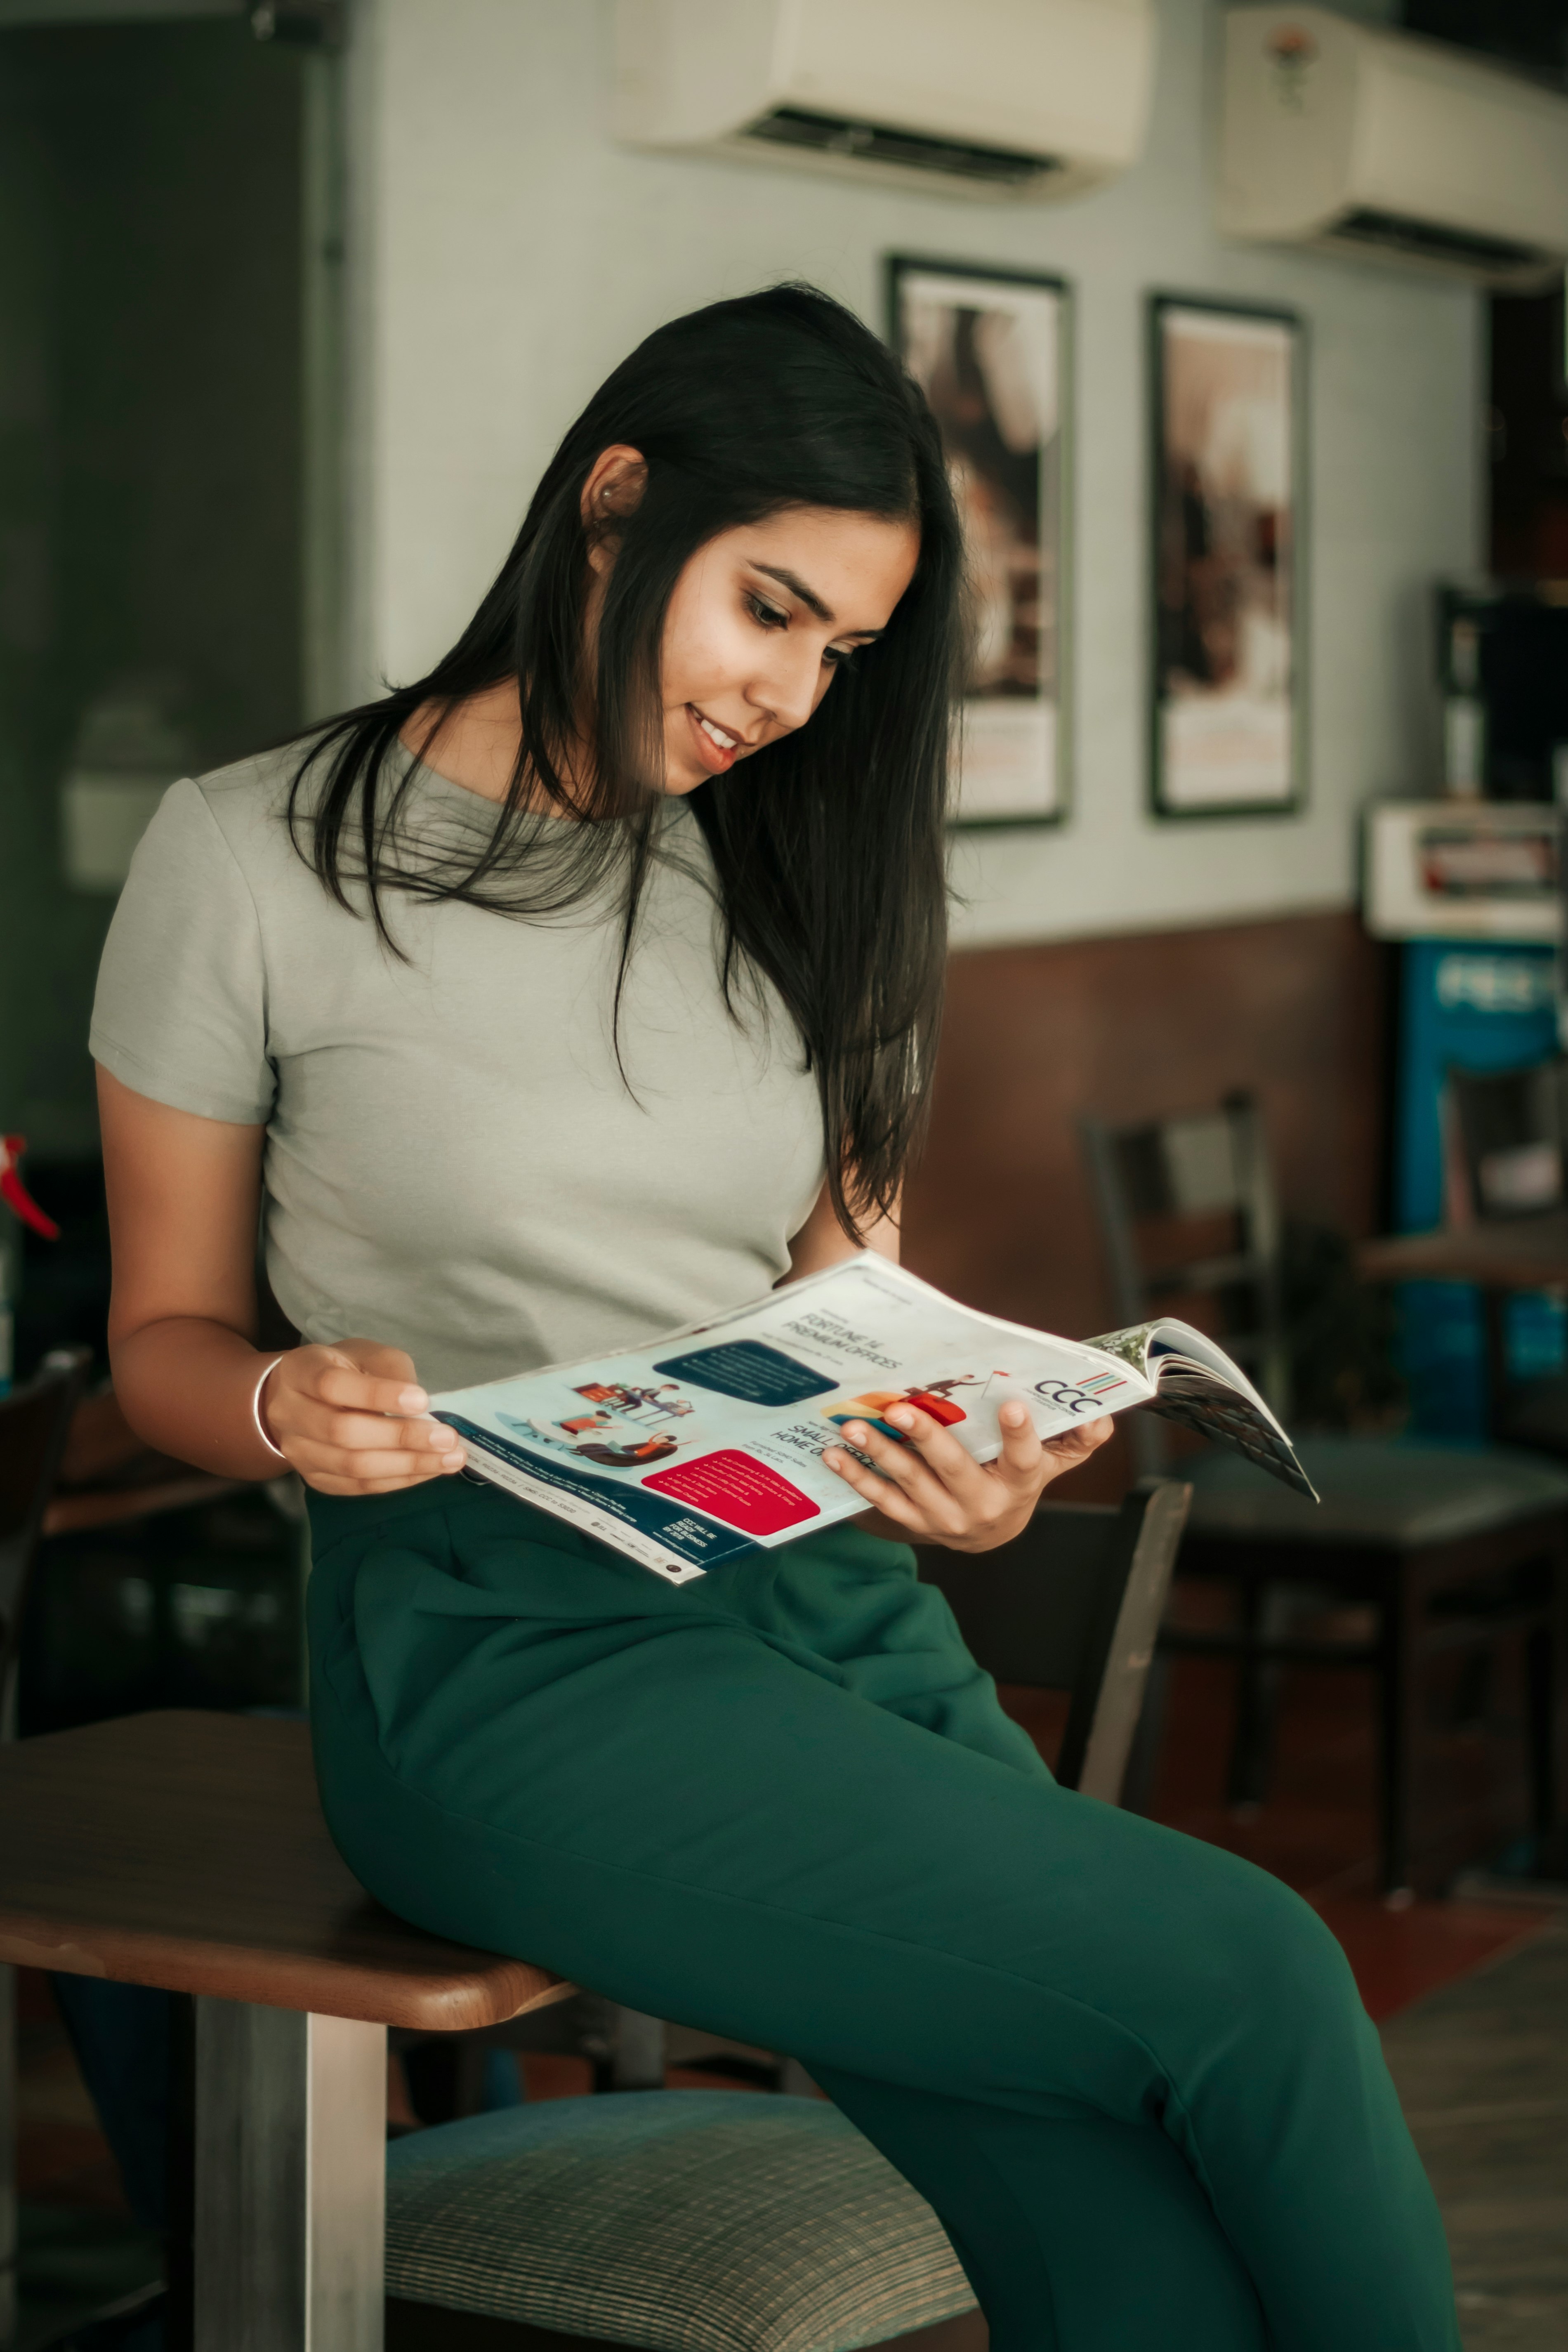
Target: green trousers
x=1130, y=2072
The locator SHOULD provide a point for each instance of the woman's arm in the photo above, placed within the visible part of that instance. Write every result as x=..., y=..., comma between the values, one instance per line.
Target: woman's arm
x=929, y=1490
x=184, y=1197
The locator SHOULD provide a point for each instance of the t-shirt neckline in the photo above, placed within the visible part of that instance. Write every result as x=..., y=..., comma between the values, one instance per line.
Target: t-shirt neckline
x=478, y=810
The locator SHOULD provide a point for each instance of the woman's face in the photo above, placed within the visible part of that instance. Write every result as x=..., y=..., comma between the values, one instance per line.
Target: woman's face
x=759, y=621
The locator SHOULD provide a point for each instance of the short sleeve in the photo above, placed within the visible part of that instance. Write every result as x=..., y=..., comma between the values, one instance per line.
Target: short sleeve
x=181, y=1009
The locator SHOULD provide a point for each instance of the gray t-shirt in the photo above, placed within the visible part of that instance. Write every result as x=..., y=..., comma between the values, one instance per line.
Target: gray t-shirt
x=454, y=1162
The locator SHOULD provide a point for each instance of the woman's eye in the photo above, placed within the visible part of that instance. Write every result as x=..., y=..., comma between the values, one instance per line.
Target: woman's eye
x=839, y=657
x=767, y=616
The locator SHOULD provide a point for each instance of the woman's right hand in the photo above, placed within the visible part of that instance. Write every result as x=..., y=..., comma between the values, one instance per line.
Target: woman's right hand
x=353, y=1419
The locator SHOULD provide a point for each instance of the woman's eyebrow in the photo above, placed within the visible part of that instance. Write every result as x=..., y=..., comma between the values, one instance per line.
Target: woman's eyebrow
x=797, y=587
x=808, y=597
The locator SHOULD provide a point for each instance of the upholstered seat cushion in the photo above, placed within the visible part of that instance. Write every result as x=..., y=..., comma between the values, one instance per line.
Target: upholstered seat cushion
x=681, y=2221
x=1401, y=1494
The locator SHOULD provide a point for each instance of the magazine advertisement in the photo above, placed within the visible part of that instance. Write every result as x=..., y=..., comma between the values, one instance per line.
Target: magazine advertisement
x=692, y=1450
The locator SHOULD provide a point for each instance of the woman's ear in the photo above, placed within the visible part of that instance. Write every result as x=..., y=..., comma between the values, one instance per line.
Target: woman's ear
x=612, y=491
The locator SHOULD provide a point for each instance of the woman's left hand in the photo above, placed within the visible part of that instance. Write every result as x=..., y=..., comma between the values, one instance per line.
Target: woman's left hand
x=932, y=1491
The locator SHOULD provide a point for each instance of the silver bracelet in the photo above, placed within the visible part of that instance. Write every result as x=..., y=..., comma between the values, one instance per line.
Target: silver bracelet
x=267, y=1372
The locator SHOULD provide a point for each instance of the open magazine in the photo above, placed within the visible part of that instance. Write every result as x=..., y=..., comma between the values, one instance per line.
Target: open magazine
x=694, y=1450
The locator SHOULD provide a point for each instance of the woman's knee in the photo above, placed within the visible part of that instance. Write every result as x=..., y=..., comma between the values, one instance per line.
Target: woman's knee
x=1255, y=1954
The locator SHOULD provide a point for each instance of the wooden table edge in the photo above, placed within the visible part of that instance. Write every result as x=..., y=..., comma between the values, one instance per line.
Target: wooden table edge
x=72, y=1513
x=1527, y=1264
x=272, y=1979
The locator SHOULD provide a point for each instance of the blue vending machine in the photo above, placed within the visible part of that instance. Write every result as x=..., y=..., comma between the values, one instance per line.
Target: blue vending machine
x=1469, y=889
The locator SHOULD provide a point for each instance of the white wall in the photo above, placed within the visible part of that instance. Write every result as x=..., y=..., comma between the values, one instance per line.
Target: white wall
x=507, y=254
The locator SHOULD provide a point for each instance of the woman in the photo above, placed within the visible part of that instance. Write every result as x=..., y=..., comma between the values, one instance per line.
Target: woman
x=580, y=989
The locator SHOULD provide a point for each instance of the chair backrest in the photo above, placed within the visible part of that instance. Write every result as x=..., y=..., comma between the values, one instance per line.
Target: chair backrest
x=34, y=1421
x=1073, y=1603
x=1512, y=1131
x=1187, y=1213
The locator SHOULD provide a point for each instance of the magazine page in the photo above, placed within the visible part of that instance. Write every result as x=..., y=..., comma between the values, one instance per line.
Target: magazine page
x=1152, y=1347
x=1197, y=1384
x=690, y=1451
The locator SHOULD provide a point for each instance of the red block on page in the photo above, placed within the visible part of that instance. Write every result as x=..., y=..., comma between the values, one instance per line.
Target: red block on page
x=742, y=1493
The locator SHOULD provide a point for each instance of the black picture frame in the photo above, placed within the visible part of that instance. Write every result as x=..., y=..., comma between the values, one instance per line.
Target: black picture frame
x=1228, y=648
x=1016, y=764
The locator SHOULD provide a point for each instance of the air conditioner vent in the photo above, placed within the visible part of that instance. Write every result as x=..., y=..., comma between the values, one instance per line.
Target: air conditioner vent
x=1428, y=241
x=880, y=143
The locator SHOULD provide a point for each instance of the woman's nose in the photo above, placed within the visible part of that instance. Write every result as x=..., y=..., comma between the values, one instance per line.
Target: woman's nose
x=790, y=689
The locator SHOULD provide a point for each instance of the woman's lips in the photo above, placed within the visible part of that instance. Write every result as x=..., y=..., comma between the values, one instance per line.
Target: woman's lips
x=717, y=758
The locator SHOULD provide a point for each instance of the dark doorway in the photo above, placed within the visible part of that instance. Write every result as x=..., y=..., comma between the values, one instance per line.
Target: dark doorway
x=1528, y=422
x=152, y=530
x=167, y=494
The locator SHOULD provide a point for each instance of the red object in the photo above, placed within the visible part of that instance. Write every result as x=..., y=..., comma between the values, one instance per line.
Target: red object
x=940, y=1409
x=742, y=1493
x=14, y=1193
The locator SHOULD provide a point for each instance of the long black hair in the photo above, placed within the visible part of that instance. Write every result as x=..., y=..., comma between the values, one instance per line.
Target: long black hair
x=829, y=843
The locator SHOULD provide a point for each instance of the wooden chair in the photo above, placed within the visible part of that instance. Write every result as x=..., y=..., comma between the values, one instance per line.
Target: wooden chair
x=1455, y=1552
x=188, y=1851
x=1507, y=1154
x=1510, y=1128
x=1074, y=1605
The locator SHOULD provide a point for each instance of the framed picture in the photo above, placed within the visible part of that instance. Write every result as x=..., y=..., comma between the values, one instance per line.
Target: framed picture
x=990, y=350
x=1229, y=671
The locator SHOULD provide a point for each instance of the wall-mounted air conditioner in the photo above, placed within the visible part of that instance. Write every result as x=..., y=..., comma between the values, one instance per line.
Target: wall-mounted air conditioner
x=1377, y=144
x=981, y=97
